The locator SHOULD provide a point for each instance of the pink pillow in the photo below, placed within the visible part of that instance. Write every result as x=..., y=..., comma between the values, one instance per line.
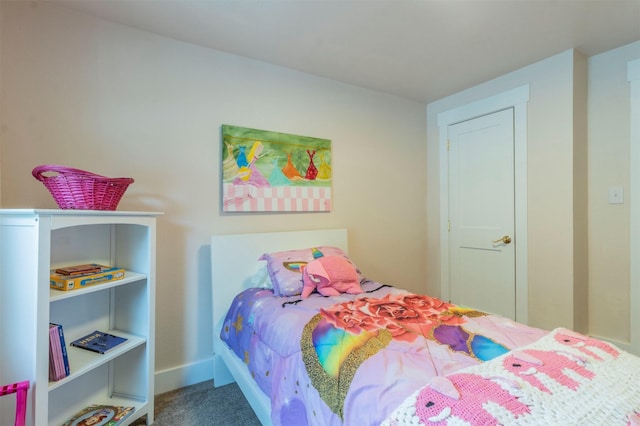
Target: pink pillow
x=285, y=267
x=331, y=276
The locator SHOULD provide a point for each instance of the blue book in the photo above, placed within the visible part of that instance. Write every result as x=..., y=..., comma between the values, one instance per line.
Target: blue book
x=98, y=341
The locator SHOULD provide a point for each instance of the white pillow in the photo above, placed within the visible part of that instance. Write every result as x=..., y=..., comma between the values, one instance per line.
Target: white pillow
x=260, y=277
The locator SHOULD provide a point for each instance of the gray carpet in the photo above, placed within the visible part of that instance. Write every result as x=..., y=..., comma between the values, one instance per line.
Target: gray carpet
x=202, y=405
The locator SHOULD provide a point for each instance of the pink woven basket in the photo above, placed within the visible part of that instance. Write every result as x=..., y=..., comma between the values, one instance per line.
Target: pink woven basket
x=81, y=190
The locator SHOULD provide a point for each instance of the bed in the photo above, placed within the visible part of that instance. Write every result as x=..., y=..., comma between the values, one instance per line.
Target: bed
x=376, y=354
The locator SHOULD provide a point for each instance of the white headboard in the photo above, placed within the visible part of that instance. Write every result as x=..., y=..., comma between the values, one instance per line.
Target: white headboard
x=234, y=260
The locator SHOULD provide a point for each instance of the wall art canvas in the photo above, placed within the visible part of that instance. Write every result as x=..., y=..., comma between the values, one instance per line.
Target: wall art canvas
x=264, y=171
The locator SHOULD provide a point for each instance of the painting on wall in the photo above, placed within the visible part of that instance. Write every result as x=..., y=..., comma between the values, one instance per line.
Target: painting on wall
x=264, y=171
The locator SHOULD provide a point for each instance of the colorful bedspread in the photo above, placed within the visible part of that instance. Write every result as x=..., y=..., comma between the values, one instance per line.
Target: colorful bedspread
x=562, y=379
x=353, y=359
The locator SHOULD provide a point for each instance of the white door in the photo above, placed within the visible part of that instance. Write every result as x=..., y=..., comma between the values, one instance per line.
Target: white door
x=482, y=243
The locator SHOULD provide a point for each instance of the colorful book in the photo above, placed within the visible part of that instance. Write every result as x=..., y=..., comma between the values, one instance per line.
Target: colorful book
x=54, y=368
x=52, y=371
x=103, y=415
x=58, y=359
x=73, y=282
x=99, y=342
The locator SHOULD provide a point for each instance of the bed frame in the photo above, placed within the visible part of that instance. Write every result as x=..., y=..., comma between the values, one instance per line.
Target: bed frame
x=233, y=263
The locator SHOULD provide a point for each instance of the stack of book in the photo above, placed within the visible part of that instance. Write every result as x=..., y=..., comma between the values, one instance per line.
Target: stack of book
x=80, y=276
x=58, y=359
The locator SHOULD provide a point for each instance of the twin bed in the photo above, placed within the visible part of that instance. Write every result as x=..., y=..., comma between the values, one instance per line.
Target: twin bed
x=370, y=354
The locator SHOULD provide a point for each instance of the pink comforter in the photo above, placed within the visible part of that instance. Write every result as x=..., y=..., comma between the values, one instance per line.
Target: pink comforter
x=353, y=359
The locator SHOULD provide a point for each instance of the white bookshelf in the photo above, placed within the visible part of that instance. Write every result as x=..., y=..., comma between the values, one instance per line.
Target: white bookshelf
x=32, y=242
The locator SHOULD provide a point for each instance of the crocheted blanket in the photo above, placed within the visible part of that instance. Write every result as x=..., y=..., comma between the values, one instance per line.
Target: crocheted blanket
x=565, y=378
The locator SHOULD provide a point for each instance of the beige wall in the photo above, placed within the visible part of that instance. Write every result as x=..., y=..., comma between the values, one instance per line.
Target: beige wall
x=550, y=190
x=609, y=133
x=96, y=95
x=121, y=102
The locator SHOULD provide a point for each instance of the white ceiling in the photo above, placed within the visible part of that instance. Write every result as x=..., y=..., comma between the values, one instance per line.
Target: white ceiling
x=422, y=50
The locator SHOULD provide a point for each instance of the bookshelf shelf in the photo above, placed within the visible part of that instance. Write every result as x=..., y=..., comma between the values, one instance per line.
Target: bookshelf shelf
x=32, y=243
x=129, y=277
x=84, y=361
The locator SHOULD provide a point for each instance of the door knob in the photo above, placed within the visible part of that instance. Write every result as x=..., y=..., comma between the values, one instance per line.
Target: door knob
x=506, y=240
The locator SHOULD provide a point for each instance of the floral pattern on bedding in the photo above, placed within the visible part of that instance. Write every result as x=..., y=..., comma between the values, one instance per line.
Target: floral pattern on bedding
x=338, y=340
x=407, y=316
x=353, y=359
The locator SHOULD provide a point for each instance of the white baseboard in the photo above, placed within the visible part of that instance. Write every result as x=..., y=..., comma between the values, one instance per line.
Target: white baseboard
x=184, y=375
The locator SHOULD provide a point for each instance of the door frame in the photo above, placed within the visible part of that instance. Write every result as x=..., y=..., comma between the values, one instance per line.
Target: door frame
x=517, y=99
x=633, y=76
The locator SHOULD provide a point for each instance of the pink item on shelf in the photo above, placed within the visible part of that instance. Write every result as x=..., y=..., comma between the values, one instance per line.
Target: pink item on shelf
x=81, y=190
x=20, y=389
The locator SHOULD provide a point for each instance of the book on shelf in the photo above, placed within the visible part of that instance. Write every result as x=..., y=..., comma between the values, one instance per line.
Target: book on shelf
x=102, y=274
x=53, y=371
x=102, y=415
x=87, y=268
x=99, y=342
x=65, y=355
x=58, y=357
